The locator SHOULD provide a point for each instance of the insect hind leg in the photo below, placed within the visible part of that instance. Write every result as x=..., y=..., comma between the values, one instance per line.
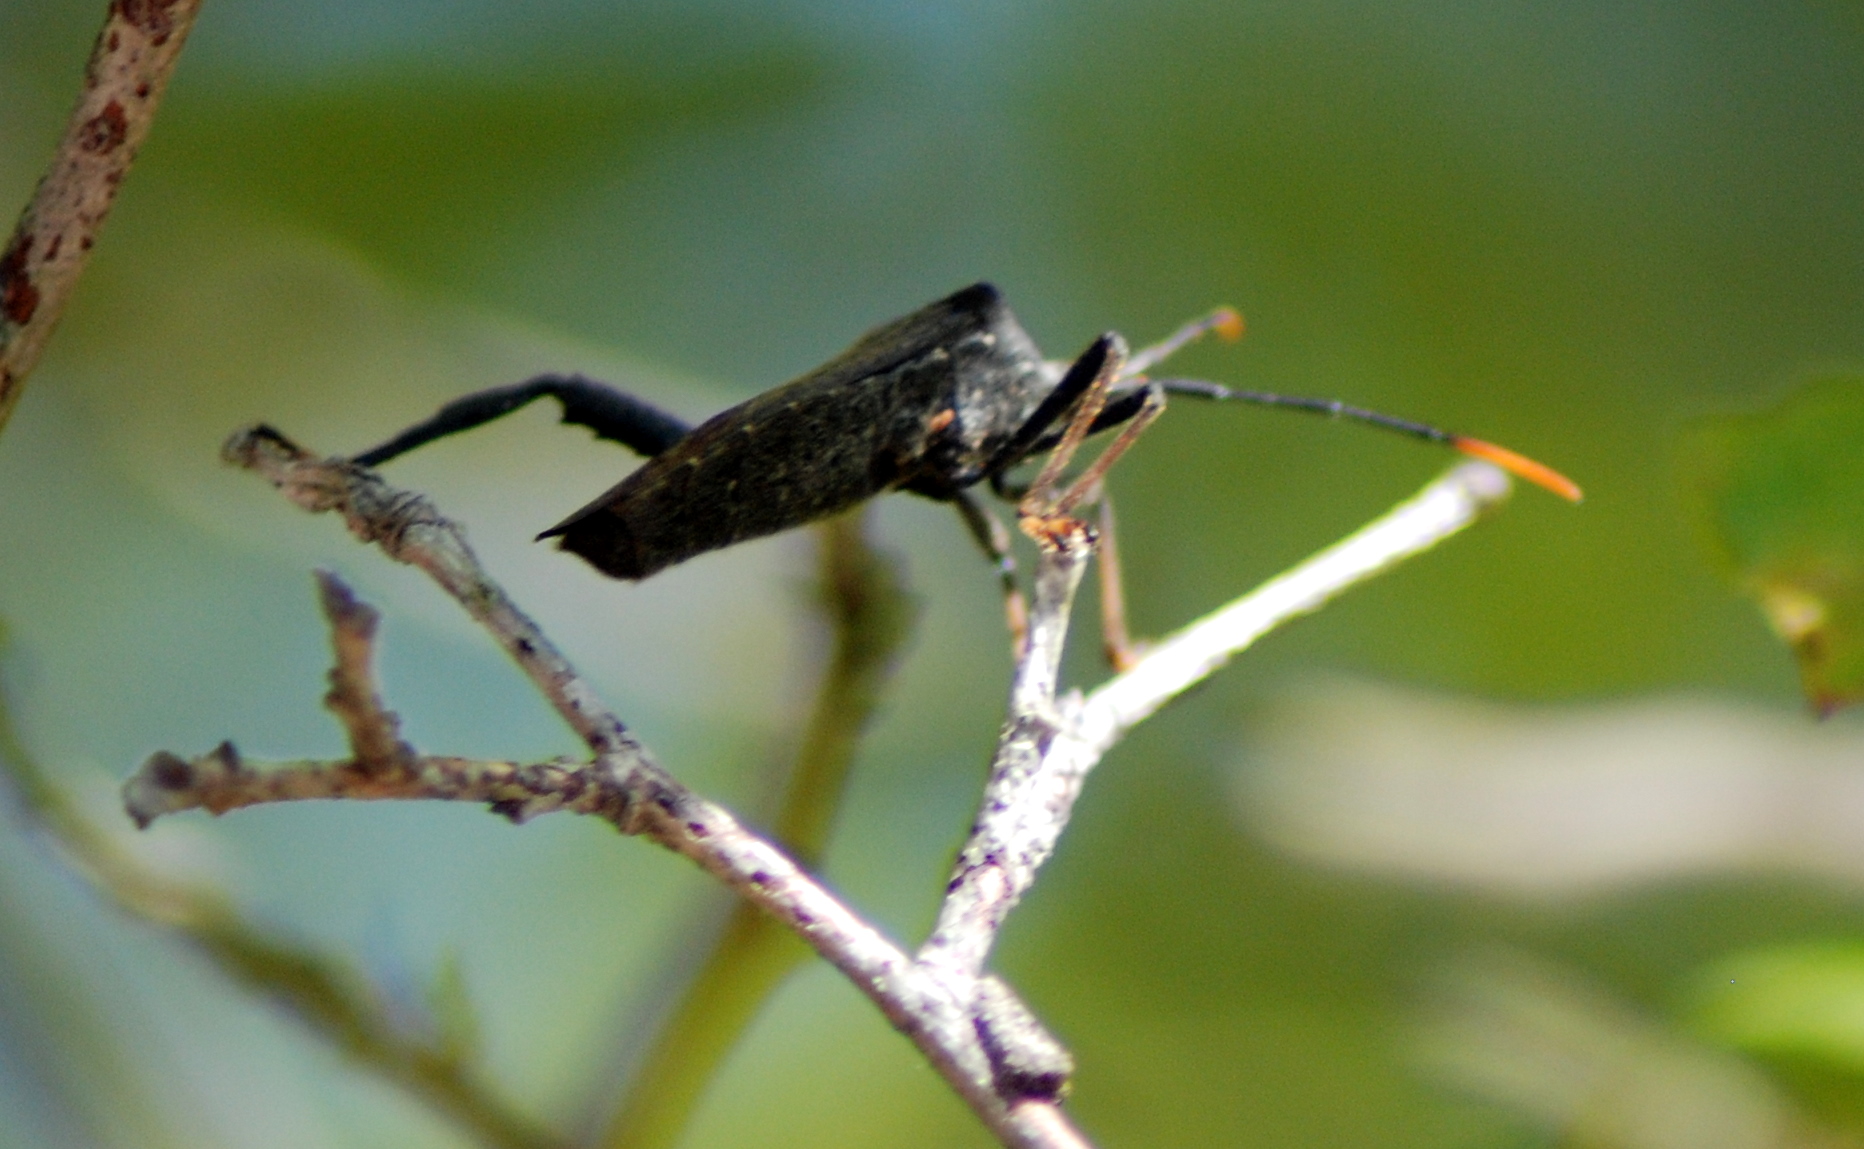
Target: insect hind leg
x=994, y=539
x=1122, y=650
x=611, y=413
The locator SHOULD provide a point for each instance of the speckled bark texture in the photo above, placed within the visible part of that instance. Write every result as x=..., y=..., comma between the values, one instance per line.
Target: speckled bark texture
x=42, y=259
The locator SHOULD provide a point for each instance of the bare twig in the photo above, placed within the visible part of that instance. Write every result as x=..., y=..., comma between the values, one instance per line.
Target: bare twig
x=1049, y=745
x=123, y=83
x=222, y=780
x=381, y=765
x=626, y=787
x=864, y=601
x=374, y=732
x=324, y=993
x=1454, y=501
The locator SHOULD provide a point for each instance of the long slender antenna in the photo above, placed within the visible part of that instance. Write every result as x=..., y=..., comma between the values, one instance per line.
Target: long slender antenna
x=1519, y=465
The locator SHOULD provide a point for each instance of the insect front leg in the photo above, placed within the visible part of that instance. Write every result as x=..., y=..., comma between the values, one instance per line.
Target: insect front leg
x=1084, y=388
x=1121, y=649
x=611, y=413
x=1045, y=500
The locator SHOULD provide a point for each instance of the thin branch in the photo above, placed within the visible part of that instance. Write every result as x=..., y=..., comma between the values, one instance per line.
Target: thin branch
x=381, y=765
x=626, y=787
x=324, y=993
x=123, y=84
x=1457, y=499
x=1048, y=746
x=222, y=780
x=374, y=732
x=1025, y=805
x=863, y=599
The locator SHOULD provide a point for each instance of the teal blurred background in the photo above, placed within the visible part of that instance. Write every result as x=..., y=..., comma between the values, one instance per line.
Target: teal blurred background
x=1570, y=228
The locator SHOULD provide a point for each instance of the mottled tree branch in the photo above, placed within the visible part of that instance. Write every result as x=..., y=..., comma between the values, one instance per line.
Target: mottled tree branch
x=41, y=262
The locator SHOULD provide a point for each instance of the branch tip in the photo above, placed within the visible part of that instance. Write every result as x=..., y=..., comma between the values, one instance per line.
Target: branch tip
x=343, y=608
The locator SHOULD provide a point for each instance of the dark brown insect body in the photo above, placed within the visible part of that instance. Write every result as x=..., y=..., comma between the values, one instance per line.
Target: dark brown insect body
x=954, y=394
x=924, y=404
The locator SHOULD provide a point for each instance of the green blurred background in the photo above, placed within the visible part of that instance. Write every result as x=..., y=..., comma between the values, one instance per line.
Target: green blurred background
x=1571, y=228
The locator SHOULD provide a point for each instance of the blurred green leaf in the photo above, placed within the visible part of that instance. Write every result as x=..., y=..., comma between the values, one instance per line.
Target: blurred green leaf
x=1800, y=1010
x=1806, y=999
x=1783, y=495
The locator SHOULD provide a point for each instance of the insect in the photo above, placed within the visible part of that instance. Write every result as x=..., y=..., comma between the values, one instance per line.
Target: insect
x=936, y=402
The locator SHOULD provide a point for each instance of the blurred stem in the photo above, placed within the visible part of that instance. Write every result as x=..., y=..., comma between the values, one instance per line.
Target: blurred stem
x=863, y=597
x=327, y=995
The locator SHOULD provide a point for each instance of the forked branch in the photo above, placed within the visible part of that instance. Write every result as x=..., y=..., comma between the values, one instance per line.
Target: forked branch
x=970, y=1025
x=1050, y=742
x=621, y=784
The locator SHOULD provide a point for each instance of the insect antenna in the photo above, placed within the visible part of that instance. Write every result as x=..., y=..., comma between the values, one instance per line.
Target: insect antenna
x=1528, y=470
x=1224, y=322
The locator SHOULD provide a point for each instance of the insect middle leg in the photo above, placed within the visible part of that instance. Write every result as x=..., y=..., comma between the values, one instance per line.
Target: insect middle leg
x=1121, y=649
x=1146, y=405
x=994, y=538
x=1116, y=641
x=611, y=413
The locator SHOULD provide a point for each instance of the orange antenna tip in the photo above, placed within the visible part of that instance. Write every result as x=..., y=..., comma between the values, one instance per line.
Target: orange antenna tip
x=1540, y=474
x=1228, y=323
